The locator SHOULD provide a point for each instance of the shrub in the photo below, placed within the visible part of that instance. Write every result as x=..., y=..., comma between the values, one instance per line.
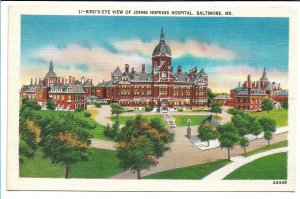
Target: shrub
x=97, y=105
x=285, y=104
x=129, y=110
x=148, y=108
x=158, y=110
x=78, y=110
x=87, y=114
x=234, y=111
x=180, y=109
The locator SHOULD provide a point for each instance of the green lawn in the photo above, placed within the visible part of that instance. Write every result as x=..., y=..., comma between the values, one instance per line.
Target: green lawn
x=193, y=172
x=280, y=115
x=181, y=120
x=123, y=119
x=265, y=168
x=96, y=132
x=266, y=148
x=102, y=164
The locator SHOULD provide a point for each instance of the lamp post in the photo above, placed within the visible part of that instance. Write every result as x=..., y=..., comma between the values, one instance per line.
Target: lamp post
x=188, y=135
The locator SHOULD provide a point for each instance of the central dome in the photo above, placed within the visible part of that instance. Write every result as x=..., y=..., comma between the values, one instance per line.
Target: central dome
x=162, y=47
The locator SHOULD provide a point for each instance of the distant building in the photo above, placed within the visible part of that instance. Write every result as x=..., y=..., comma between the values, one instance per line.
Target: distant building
x=225, y=100
x=68, y=94
x=249, y=96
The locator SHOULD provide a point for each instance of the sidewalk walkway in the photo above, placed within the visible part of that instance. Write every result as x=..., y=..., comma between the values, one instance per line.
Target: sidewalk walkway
x=102, y=144
x=215, y=143
x=239, y=161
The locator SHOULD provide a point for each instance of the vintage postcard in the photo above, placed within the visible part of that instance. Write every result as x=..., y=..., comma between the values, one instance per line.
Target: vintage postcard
x=151, y=97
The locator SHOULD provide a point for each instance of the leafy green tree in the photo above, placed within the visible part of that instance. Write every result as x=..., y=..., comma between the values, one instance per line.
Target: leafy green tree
x=229, y=136
x=268, y=136
x=51, y=105
x=116, y=109
x=112, y=132
x=243, y=122
x=267, y=104
x=207, y=132
x=63, y=143
x=243, y=142
x=29, y=134
x=256, y=128
x=210, y=96
x=216, y=107
x=234, y=111
x=268, y=126
x=140, y=143
x=30, y=104
x=285, y=104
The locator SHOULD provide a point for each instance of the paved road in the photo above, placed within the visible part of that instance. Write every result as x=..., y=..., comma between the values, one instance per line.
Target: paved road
x=102, y=144
x=238, y=162
x=183, y=153
x=102, y=118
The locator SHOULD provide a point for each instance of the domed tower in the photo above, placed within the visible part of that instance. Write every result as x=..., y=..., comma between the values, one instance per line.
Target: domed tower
x=161, y=59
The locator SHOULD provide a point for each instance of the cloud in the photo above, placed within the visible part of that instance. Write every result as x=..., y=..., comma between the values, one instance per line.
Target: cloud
x=97, y=63
x=179, y=49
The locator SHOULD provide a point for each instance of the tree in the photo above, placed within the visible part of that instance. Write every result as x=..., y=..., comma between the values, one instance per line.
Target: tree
x=64, y=143
x=116, y=109
x=243, y=122
x=267, y=104
x=216, y=107
x=51, y=105
x=207, y=132
x=268, y=126
x=243, y=142
x=112, y=132
x=285, y=104
x=29, y=134
x=268, y=136
x=256, y=128
x=140, y=143
x=210, y=96
x=30, y=104
x=229, y=136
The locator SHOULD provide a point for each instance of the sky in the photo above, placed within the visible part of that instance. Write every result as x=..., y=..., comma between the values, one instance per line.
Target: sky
x=93, y=46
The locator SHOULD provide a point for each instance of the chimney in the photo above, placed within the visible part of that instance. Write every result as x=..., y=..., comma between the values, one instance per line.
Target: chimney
x=39, y=80
x=91, y=81
x=35, y=81
x=179, y=70
x=62, y=81
x=31, y=81
x=70, y=79
x=239, y=85
x=278, y=86
x=82, y=80
x=132, y=72
x=126, y=68
x=73, y=80
x=143, y=68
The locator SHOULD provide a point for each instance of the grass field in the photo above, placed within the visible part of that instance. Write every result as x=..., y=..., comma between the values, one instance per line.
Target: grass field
x=193, y=172
x=266, y=148
x=181, y=120
x=265, y=168
x=123, y=119
x=102, y=164
x=280, y=115
x=96, y=132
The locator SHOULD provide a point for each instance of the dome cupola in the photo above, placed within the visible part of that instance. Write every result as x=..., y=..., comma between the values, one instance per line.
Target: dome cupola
x=162, y=47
